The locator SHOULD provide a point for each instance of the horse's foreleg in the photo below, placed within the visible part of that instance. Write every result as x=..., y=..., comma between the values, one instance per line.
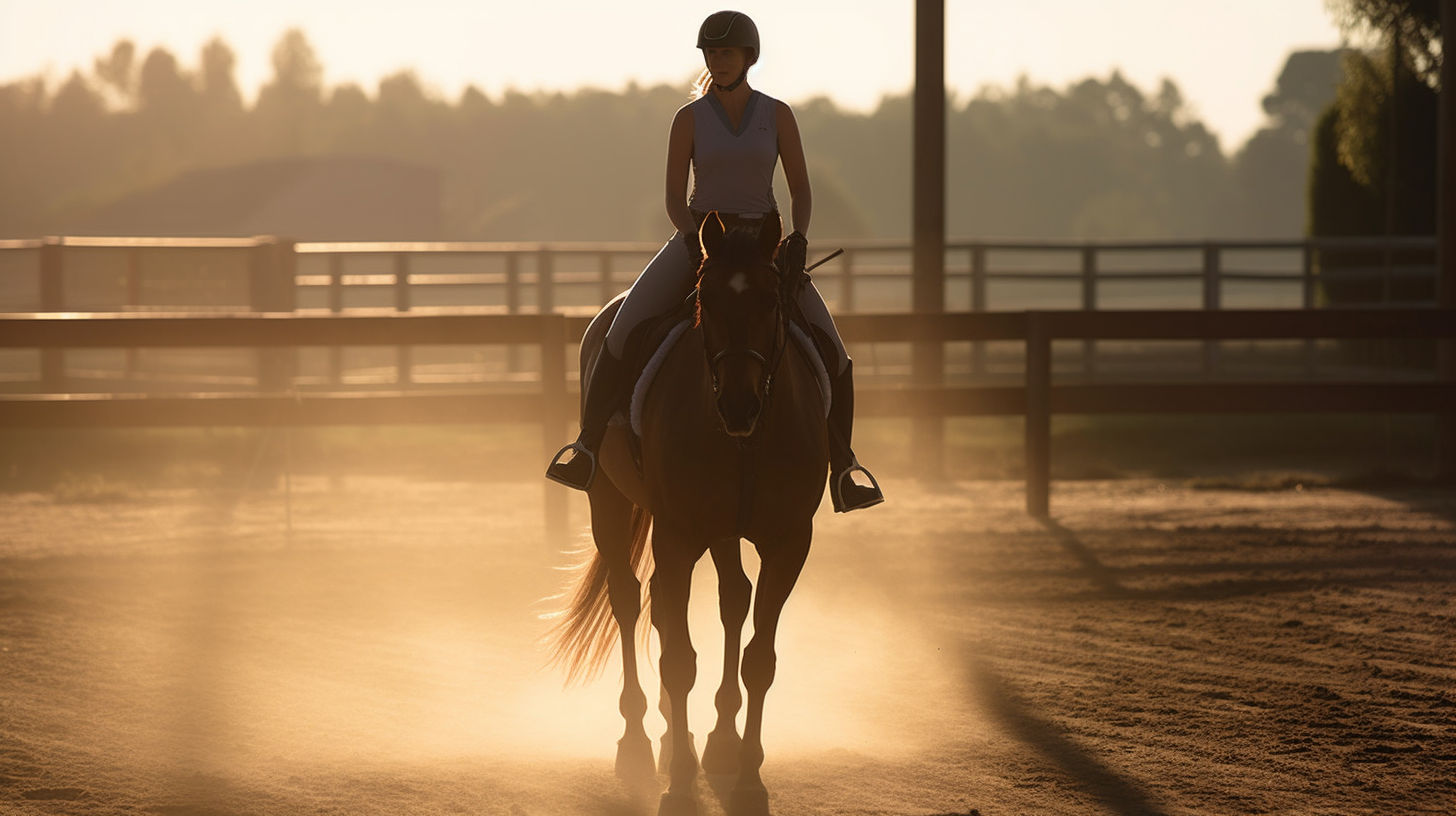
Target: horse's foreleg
x=720, y=755
x=671, y=584
x=779, y=570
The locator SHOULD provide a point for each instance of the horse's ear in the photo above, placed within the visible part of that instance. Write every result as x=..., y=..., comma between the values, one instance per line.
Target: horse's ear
x=710, y=235
x=769, y=235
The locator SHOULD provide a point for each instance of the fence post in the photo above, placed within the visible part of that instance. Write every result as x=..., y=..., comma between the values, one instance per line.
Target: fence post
x=53, y=299
x=555, y=409
x=604, y=269
x=846, y=281
x=978, y=304
x=513, y=305
x=336, y=305
x=403, y=373
x=1089, y=303
x=545, y=296
x=273, y=288
x=1212, y=291
x=1038, y=416
x=133, y=300
x=1306, y=282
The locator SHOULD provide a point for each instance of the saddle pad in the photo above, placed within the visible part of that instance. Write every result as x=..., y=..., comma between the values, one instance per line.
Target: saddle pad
x=649, y=372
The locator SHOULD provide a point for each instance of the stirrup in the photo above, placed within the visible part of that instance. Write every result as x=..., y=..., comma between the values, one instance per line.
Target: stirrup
x=857, y=497
x=570, y=471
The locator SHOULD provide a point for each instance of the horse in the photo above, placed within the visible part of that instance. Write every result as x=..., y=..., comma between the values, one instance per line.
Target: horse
x=733, y=446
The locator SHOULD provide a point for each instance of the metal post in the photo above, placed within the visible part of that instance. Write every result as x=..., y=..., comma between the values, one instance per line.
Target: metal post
x=1038, y=416
x=928, y=294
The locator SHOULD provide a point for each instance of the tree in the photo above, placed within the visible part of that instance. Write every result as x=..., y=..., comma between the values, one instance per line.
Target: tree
x=1387, y=103
x=1413, y=27
x=1270, y=172
x=117, y=72
x=290, y=104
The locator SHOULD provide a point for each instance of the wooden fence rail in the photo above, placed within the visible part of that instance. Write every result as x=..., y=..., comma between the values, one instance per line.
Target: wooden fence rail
x=553, y=403
x=277, y=274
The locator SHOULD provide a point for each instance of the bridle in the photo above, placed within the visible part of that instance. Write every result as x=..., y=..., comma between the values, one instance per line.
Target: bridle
x=770, y=361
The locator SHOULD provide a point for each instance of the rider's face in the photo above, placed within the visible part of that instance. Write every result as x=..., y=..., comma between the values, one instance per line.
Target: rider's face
x=725, y=63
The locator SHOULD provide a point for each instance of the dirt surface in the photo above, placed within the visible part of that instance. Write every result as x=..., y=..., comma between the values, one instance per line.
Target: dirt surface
x=1154, y=650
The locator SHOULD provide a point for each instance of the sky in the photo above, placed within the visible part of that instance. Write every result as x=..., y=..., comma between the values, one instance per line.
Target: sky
x=1223, y=55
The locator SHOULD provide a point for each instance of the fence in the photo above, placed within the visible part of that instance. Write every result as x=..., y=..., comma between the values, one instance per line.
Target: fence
x=265, y=274
x=551, y=403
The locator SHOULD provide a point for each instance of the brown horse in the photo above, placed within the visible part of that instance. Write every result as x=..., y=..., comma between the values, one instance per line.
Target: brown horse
x=733, y=446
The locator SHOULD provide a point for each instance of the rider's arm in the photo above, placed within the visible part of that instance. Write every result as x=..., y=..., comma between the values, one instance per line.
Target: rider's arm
x=679, y=159
x=796, y=170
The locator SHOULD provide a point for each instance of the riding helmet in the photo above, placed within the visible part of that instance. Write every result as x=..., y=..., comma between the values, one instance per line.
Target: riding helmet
x=729, y=28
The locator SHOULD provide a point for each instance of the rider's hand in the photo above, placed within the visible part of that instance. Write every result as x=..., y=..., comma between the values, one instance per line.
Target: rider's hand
x=695, y=250
x=794, y=250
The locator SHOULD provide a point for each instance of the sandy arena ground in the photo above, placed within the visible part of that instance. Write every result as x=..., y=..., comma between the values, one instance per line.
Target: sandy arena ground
x=1153, y=651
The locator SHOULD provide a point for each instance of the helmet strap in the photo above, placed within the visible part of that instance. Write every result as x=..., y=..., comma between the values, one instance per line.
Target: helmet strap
x=730, y=88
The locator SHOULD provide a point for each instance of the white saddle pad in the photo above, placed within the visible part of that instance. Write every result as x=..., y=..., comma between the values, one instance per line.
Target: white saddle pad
x=649, y=372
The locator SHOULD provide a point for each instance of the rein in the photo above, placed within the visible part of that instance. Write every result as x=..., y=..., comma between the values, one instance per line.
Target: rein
x=748, y=446
x=788, y=290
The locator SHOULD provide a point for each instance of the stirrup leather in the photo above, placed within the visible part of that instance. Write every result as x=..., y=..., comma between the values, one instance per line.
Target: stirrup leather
x=863, y=496
x=568, y=471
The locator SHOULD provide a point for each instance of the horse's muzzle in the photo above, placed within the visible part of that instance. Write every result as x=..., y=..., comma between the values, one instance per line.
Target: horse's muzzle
x=740, y=413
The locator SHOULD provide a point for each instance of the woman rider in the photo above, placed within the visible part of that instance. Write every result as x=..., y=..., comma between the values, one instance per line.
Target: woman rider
x=730, y=136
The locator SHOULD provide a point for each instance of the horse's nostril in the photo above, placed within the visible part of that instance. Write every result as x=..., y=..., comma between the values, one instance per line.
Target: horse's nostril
x=739, y=413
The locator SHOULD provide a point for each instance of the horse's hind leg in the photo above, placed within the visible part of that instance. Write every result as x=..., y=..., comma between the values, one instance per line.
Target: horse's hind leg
x=615, y=523
x=720, y=755
x=781, y=561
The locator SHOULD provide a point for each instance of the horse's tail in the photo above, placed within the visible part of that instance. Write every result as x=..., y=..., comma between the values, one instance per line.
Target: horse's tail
x=583, y=636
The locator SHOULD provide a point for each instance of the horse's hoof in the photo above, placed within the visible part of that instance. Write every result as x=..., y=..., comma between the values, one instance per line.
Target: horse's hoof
x=720, y=755
x=748, y=802
x=664, y=755
x=677, y=804
x=634, y=760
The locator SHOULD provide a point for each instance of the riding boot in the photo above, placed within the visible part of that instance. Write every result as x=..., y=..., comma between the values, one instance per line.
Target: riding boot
x=844, y=491
x=576, y=464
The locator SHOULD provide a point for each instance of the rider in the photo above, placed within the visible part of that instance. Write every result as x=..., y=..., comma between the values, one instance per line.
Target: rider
x=730, y=136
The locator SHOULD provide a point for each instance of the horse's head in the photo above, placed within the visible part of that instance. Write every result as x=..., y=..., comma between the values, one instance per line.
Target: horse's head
x=741, y=318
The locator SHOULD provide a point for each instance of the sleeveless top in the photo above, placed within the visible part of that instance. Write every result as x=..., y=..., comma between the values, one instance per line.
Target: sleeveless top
x=733, y=170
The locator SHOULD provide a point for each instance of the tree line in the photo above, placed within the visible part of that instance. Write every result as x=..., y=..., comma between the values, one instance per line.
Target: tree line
x=1100, y=158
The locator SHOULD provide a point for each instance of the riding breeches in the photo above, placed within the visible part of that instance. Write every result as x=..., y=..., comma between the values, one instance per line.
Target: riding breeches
x=669, y=278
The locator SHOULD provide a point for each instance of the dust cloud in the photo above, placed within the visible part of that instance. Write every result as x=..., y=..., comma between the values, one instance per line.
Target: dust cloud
x=403, y=622
x=186, y=652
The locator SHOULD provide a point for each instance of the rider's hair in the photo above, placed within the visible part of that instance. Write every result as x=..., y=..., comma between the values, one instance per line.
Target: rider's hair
x=704, y=82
